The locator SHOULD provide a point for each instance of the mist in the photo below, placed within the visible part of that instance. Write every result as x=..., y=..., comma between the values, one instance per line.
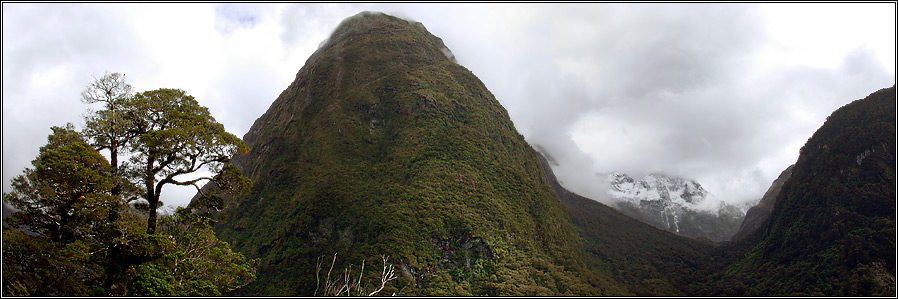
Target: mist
x=723, y=93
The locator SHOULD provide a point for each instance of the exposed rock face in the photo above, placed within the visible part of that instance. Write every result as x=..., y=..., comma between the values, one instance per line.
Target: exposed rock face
x=761, y=212
x=461, y=251
x=672, y=204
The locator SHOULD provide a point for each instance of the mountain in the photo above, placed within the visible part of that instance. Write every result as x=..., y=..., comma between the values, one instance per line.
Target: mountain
x=649, y=261
x=758, y=214
x=674, y=204
x=831, y=230
x=7, y=211
x=384, y=146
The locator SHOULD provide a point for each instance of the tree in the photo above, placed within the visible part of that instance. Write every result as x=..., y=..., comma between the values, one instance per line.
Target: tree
x=60, y=243
x=177, y=137
x=60, y=197
x=76, y=235
x=201, y=265
x=348, y=284
x=62, y=200
x=106, y=127
x=168, y=135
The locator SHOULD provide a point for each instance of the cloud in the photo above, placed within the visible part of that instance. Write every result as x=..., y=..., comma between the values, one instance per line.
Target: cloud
x=50, y=52
x=627, y=84
x=232, y=16
x=674, y=88
x=733, y=138
x=315, y=21
x=722, y=93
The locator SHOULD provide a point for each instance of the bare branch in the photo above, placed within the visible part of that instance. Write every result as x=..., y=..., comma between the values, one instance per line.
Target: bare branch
x=317, y=277
x=331, y=269
x=386, y=275
x=350, y=286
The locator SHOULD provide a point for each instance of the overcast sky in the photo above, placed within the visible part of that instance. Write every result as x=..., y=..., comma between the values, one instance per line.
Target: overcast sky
x=722, y=93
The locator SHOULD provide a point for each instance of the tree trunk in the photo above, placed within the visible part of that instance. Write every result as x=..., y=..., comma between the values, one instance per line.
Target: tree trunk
x=151, y=221
x=152, y=197
x=112, y=251
x=116, y=191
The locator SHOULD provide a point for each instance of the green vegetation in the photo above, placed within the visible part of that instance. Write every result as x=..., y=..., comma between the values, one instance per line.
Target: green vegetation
x=77, y=235
x=384, y=146
x=59, y=199
x=201, y=265
x=69, y=181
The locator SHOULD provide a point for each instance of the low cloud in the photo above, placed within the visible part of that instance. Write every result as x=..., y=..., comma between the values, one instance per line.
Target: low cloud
x=701, y=91
x=640, y=88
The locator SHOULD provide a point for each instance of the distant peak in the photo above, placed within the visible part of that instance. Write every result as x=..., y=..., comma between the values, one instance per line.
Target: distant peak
x=626, y=187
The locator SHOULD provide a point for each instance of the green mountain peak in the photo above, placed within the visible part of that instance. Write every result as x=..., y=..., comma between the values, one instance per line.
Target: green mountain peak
x=385, y=149
x=383, y=145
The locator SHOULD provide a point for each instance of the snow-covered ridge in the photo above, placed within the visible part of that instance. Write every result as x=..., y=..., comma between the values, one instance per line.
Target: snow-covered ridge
x=675, y=204
x=683, y=192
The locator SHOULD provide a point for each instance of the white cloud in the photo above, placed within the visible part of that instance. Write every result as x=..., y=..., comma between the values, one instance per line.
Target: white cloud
x=821, y=35
x=723, y=93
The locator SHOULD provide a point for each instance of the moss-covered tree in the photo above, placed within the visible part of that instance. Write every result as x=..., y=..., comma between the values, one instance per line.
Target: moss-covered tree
x=59, y=197
x=58, y=243
x=177, y=137
x=105, y=128
x=75, y=234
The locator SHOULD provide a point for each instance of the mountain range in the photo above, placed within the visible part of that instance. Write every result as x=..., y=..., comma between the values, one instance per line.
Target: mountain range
x=674, y=204
x=384, y=147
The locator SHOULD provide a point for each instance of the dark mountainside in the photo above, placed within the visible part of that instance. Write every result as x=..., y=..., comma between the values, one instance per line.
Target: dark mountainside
x=649, y=260
x=384, y=146
x=757, y=215
x=832, y=228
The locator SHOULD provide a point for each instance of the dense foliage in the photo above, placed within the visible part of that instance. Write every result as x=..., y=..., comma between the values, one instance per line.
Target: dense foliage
x=202, y=265
x=75, y=233
x=60, y=199
x=69, y=181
